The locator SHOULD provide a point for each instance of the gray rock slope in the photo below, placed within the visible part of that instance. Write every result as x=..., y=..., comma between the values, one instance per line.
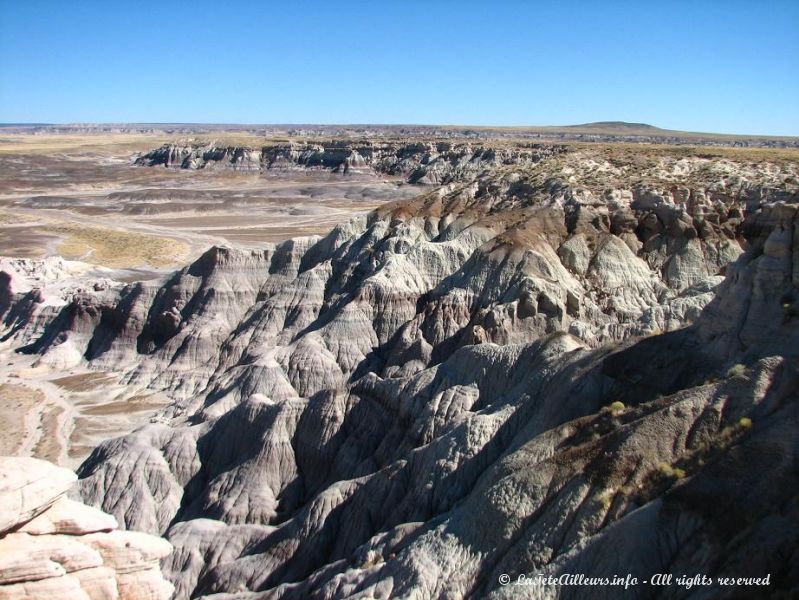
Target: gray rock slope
x=511, y=374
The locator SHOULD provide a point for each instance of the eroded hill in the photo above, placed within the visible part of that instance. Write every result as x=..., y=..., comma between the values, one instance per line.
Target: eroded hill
x=555, y=360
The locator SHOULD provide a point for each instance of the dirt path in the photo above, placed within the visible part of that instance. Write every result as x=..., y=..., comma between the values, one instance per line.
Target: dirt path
x=62, y=417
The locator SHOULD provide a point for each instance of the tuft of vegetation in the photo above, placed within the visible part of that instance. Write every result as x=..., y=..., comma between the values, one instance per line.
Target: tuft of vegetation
x=745, y=422
x=613, y=409
x=372, y=562
x=616, y=407
x=606, y=499
x=789, y=310
x=669, y=471
x=738, y=370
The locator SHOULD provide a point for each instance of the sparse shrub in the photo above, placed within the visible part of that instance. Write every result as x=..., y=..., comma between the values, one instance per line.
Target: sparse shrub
x=745, y=422
x=606, y=498
x=738, y=370
x=371, y=562
x=617, y=407
x=667, y=470
x=789, y=310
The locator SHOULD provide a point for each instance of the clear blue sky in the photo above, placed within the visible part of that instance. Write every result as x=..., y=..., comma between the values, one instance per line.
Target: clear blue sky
x=723, y=66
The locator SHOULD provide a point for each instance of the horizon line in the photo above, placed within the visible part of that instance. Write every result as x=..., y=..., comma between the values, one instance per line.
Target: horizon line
x=655, y=130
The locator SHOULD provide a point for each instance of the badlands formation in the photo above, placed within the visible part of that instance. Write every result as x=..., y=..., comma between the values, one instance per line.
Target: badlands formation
x=553, y=359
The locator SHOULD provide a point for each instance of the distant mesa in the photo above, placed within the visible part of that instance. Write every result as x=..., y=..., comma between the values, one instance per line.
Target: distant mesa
x=615, y=128
x=622, y=125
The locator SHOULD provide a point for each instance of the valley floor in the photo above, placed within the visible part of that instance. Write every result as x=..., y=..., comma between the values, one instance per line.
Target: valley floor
x=79, y=197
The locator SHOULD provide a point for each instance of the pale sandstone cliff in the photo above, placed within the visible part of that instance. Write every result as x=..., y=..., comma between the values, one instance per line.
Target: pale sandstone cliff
x=52, y=547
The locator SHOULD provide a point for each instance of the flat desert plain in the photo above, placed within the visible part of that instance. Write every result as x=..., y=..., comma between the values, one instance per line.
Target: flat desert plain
x=82, y=198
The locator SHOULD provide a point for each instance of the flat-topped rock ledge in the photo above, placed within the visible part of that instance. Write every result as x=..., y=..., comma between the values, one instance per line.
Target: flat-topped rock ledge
x=52, y=547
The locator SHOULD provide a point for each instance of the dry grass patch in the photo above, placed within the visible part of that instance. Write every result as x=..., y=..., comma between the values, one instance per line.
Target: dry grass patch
x=11, y=218
x=84, y=382
x=112, y=248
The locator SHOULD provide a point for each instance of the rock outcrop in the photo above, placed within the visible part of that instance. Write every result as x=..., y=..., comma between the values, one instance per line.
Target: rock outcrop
x=33, y=292
x=419, y=162
x=53, y=547
x=533, y=370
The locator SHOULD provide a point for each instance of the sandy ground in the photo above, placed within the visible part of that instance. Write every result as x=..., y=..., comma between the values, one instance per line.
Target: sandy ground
x=61, y=416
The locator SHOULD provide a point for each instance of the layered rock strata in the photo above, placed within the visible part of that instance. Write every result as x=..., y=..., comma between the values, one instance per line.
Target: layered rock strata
x=421, y=162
